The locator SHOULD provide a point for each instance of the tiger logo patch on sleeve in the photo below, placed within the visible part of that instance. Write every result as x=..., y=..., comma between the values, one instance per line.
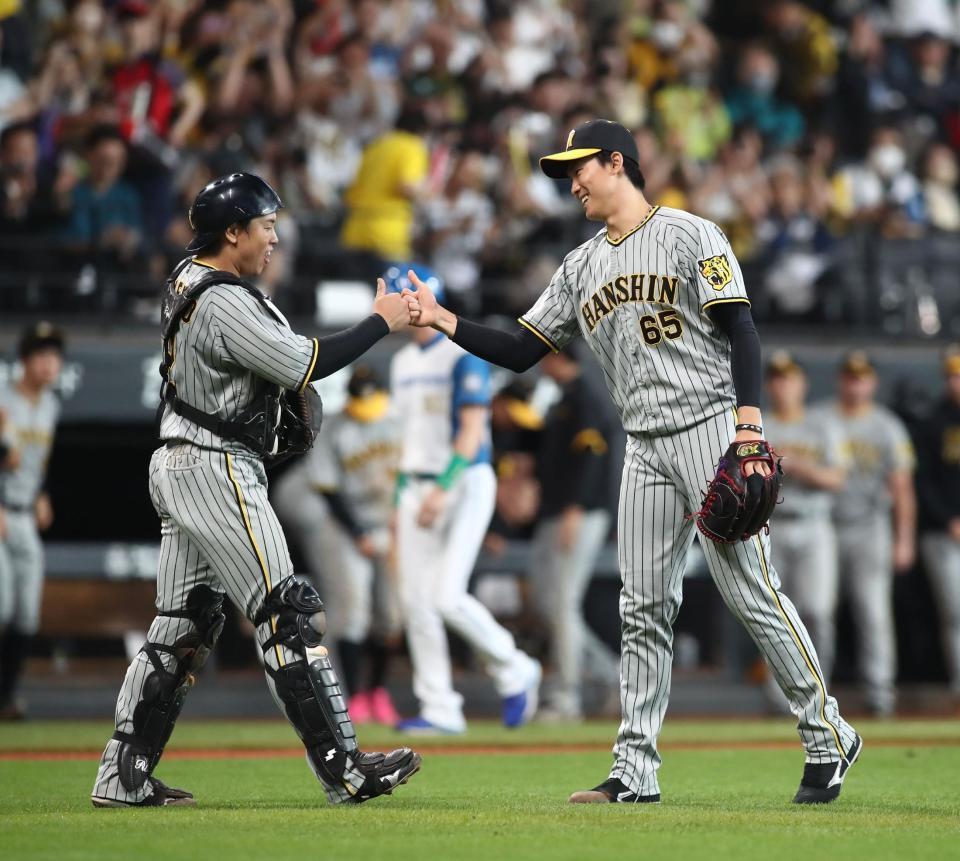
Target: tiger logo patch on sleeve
x=716, y=270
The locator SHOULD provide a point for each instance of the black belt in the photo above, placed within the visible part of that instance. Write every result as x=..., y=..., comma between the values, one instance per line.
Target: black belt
x=19, y=509
x=423, y=476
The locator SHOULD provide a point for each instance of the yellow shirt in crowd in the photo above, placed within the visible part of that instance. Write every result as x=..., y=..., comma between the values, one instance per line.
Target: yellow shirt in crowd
x=380, y=215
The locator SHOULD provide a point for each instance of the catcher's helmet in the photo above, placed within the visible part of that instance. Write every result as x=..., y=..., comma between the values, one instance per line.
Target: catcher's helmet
x=228, y=200
x=396, y=279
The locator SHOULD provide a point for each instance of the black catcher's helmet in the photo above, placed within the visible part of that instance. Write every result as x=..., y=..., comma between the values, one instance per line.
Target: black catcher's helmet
x=229, y=200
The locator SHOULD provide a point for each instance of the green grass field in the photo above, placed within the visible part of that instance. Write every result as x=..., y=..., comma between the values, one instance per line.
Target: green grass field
x=726, y=788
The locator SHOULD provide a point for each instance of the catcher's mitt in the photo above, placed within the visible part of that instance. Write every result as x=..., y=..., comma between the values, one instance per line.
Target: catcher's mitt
x=738, y=506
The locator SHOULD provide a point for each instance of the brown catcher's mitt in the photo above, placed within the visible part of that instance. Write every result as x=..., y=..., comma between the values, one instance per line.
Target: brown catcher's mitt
x=738, y=506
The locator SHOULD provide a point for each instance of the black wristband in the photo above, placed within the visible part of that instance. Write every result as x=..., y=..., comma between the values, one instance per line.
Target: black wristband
x=755, y=428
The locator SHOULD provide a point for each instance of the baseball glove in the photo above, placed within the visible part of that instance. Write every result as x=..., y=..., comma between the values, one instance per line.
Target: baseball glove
x=738, y=506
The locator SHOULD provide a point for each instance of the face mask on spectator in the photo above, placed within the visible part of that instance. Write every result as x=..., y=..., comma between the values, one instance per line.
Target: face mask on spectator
x=666, y=35
x=763, y=82
x=887, y=159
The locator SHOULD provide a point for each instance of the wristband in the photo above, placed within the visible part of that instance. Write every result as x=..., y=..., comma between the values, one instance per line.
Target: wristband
x=458, y=463
x=749, y=427
x=398, y=487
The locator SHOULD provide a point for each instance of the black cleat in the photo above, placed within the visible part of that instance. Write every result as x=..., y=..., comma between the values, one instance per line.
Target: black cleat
x=162, y=796
x=821, y=783
x=355, y=777
x=612, y=791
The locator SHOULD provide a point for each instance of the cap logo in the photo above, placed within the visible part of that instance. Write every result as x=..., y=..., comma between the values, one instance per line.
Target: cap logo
x=570, y=138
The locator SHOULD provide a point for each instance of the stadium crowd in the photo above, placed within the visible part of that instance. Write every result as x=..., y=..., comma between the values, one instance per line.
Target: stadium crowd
x=409, y=129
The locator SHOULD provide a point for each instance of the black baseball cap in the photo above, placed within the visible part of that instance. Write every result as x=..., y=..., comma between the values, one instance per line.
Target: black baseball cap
x=587, y=139
x=40, y=336
x=783, y=364
x=857, y=363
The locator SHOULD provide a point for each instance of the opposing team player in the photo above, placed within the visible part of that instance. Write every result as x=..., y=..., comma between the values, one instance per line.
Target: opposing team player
x=339, y=501
x=659, y=298
x=31, y=410
x=446, y=495
x=233, y=373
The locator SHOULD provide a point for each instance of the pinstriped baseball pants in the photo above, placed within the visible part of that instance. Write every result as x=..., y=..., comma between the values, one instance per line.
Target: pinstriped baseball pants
x=663, y=481
x=217, y=529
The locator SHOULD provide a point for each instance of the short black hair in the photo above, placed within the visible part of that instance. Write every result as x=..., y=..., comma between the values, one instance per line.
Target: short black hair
x=104, y=132
x=16, y=128
x=412, y=119
x=630, y=168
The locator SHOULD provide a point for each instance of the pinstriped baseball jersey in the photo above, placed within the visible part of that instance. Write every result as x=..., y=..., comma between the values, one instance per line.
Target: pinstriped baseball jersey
x=360, y=460
x=30, y=429
x=641, y=304
x=227, y=351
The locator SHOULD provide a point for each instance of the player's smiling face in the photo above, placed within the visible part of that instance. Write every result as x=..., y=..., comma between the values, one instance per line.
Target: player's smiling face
x=255, y=244
x=593, y=184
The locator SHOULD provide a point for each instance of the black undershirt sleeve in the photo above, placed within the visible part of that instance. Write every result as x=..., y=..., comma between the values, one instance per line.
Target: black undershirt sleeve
x=736, y=322
x=341, y=512
x=517, y=350
x=340, y=349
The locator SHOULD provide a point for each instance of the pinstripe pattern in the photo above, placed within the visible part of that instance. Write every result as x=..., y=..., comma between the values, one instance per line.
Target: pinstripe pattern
x=226, y=353
x=678, y=381
x=641, y=303
x=662, y=484
x=206, y=537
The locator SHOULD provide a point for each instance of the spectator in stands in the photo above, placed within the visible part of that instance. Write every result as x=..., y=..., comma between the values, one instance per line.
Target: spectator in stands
x=938, y=486
x=380, y=202
x=753, y=99
x=15, y=101
x=940, y=199
x=862, y=88
x=458, y=221
x=105, y=211
x=804, y=42
x=929, y=83
x=32, y=206
x=882, y=191
x=793, y=244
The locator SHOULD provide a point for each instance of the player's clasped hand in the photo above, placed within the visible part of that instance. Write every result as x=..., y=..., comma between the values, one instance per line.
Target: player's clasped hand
x=393, y=307
x=422, y=304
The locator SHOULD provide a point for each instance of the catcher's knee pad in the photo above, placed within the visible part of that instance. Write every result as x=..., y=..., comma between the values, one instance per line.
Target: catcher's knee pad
x=307, y=687
x=165, y=690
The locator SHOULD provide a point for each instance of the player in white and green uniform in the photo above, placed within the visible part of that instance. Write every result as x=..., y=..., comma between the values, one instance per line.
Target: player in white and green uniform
x=659, y=298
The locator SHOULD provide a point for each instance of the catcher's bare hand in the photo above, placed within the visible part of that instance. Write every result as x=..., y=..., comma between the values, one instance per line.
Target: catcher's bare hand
x=392, y=307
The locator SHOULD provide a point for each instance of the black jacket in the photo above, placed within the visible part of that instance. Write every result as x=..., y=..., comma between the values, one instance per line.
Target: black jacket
x=938, y=466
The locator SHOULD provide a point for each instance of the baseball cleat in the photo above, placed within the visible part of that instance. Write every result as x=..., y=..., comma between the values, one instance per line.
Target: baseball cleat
x=821, y=782
x=162, y=796
x=612, y=791
x=518, y=709
x=422, y=726
x=384, y=772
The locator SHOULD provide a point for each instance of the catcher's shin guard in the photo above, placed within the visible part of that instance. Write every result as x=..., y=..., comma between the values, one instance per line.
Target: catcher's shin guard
x=308, y=688
x=164, y=691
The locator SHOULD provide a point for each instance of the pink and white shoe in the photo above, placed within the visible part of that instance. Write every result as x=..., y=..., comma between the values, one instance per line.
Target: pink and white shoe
x=361, y=707
x=382, y=708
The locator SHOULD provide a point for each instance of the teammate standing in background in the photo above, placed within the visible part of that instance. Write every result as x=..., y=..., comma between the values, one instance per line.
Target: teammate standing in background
x=31, y=410
x=875, y=515
x=938, y=483
x=659, y=298
x=232, y=371
x=353, y=467
x=445, y=500
x=573, y=468
x=804, y=543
